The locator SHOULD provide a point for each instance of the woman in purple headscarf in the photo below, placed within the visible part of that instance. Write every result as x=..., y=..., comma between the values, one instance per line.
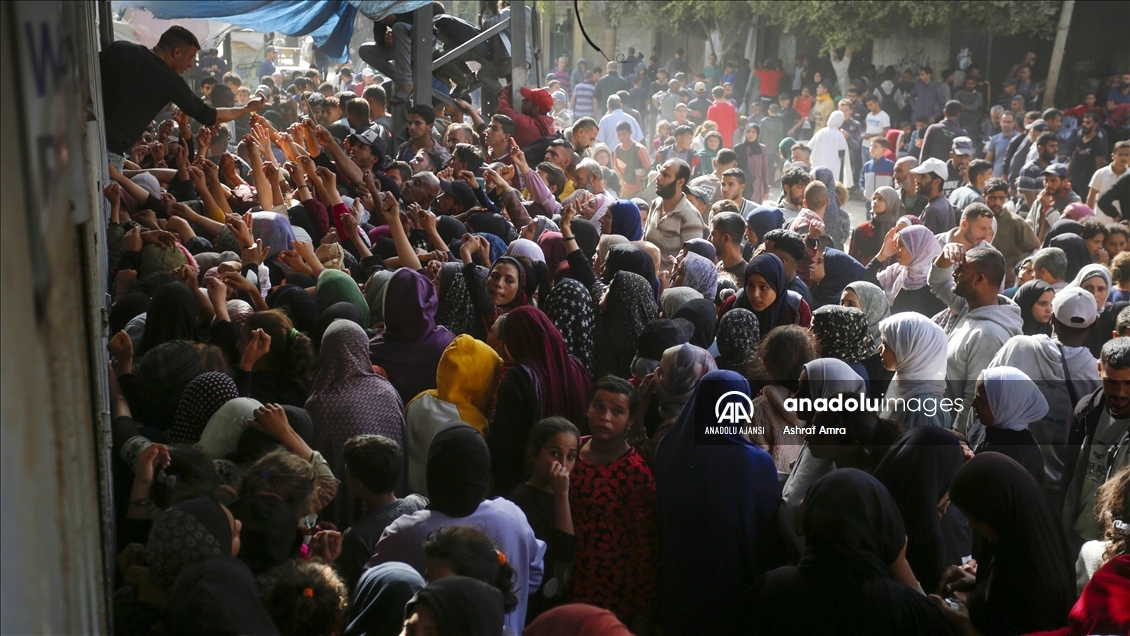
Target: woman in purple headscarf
x=904, y=281
x=410, y=347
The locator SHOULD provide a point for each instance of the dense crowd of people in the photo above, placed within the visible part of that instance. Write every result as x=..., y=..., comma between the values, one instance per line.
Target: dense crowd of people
x=461, y=378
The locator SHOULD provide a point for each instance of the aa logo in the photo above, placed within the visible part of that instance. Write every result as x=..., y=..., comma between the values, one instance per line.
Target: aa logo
x=735, y=412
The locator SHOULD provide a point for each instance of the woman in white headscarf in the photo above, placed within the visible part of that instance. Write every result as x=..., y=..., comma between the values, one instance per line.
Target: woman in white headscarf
x=1006, y=402
x=827, y=144
x=1096, y=279
x=821, y=378
x=914, y=347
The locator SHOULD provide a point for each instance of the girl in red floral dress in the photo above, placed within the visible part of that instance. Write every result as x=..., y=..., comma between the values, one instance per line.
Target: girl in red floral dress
x=615, y=515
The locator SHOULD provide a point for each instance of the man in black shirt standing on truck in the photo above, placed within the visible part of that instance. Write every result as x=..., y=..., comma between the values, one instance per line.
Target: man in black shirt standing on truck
x=138, y=82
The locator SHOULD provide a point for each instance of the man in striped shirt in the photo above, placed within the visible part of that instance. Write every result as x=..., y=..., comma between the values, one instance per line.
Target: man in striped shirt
x=584, y=103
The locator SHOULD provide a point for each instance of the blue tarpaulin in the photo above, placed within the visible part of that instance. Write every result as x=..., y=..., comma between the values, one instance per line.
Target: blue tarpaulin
x=329, y=22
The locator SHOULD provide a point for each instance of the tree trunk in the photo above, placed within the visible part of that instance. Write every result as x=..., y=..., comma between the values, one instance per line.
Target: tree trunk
x=1057, y=52
x=841, y=67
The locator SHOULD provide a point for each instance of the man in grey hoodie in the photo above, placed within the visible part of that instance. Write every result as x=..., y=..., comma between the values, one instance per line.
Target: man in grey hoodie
x=1044, y=359
x=986, y=322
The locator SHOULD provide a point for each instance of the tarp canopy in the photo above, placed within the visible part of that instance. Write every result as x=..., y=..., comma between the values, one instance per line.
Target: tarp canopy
x=329, y=22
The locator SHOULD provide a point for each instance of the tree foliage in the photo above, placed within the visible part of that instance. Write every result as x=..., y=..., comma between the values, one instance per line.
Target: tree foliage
x=841, y=23
x=728, y=21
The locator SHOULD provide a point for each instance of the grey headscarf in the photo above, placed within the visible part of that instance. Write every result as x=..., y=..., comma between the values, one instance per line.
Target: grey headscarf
x=873, y=303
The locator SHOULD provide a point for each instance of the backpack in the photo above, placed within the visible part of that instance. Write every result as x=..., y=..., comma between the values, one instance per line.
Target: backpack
x=887, y=103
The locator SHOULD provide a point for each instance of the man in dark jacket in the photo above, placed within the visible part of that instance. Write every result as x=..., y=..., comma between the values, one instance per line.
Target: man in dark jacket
x=1100, y=433
x=939, y=137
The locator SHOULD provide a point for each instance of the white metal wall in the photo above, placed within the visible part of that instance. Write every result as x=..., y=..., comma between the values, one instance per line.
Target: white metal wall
x=52, y=430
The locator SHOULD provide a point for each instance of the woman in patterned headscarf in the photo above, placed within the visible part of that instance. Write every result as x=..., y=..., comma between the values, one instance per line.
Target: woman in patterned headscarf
x=698, y=273
x=843, y=334
x=673, y=384
x=569, y=307
x=738, y=337
x=349, y=398
x=200, y=400
x=628, y=305
x=870, y=300
x=455, y=310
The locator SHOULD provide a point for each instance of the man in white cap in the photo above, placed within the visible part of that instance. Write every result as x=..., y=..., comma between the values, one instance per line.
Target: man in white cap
x=1045, y=359
x=697, y=107
x=958, y=165
x=929, y=177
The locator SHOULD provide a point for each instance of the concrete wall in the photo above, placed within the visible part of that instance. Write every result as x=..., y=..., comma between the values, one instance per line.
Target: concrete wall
x=51, y=431
x=915, y=52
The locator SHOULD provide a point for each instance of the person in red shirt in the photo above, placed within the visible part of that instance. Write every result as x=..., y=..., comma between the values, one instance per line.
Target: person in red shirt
x=722, y=113
x=533, y=122
x=770, y=75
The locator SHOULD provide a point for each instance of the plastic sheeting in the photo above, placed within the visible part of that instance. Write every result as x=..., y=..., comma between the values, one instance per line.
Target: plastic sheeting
x=328, y=22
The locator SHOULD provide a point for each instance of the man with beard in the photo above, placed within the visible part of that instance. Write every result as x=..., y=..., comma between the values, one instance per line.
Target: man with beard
x=1031, y=175
x=912, y=202
x=1091, y=149
x=793, y=183
x=985, y=322
x=1014, y=237
x=958, y=165
x=673, y=220
x=1052, y=200
x=938, y=213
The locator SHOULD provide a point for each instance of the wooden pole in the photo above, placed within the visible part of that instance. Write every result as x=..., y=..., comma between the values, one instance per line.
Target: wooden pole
x=1057, y=52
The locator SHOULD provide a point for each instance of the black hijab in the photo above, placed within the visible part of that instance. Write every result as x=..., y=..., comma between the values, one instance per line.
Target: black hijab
x=1029, y=582
x=161, y=376
x=1026, y=298
x=377, y=607
x=299, y=305
x=343, y=310
x=217, y=596
x=625, y=257
x=1063, y=226
x=462, y=605
x=587, y=234
x=450, y=228
x=171, y=316
x=269, y=534
x=151, y=282
x=254, y=444
x=1077, y=254
x=458, y=470
x=126, y=309
x=852, y=528
x=917, y=471
x=489, y=223
x=701, y=313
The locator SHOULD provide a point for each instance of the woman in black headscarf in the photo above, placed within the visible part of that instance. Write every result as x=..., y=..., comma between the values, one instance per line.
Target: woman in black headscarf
x=701, y=313
x=853, y=533
x=627, y=307
x=1035, y=301
x=1078, y=255
x=217, y=596
x=917, y=471
x=630, y=258
x=127, y=308
x=377, y=607
x=1061, y=227
x=455, y=605
x=171, y=316
x=299, y=305
x=1027, y=581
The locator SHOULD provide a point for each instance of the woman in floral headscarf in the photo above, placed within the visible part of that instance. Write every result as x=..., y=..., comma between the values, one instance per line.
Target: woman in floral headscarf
x=843, y=334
